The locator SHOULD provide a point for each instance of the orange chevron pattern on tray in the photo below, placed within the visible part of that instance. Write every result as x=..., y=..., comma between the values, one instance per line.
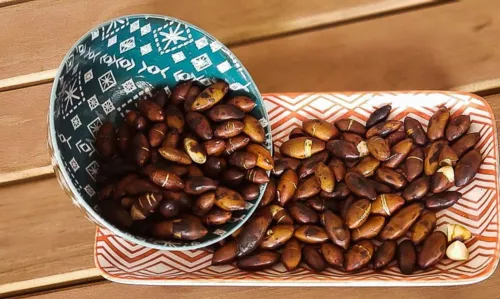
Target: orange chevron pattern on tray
x=122, y=261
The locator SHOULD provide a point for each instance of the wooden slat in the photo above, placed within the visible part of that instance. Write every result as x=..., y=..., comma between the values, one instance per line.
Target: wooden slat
x=4, y=3
x=231, y=21
x=24, y=175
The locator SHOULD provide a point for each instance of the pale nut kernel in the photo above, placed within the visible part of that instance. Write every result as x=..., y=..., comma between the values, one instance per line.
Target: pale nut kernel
x=457, y=232
x=363, y=149
x=457, y=251
x=448, y=172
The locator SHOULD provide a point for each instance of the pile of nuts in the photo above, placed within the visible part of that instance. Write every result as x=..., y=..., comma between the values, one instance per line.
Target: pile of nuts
x=342, y=189
x=172, y=168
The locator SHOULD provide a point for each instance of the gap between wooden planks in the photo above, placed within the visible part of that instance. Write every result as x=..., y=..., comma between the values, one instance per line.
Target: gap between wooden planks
x=266, y=31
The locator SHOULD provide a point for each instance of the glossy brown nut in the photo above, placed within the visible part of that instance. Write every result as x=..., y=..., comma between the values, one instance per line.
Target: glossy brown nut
x=399, y=152
x=396, y=137
x=277, y=236
x=358, y=141
x=325, y=176
x=296, y=132
x=381, y=187
x=253, y=129
x=384, y=128
x=309, y=165
x=157, y=134
x=258, y=261
x=254, y=231
x=442, y=200
x=359, y=255
x=185, y=228
x=199, y=185
x=127, y=202
x=414, y=130
x=302, y=213
x=174, y=118
x=350, y=125
x=183, y=200
x=360, y=186
x=257, y=175
x=311, y=234
x=216, y=217
x=243, y=103
x=131, y=117
x=195, y=150
x=443, y=179
x=124, y=138
x=425, y=225
x=465, y=143
x=447, y=157
x=166, y=180
x=210, y=96
x=115, y=213
x=457, y=127
x=214, y=147
x=250, y=191
x=308, y=188
x=367, y=166
x=417, y=189
x=291, y=255
x=467, y=167
x=243, y=160
x=302, y=147
x=320, y=204
x=358, y=213
x=228, y=129
x=232, y=176
x=236, y=143
x=320, y=129
x=175, y=155
x=438, y=123
x=433, y=250
x=150, y=110
x=224, y=112
x=333, y=254
x=264, y=157
x=269, y=193
x=204, y=203
x=120, y=188
x=369, y=229
x=191, y=96
x=340, y=191
x=229, y=200
x=282, y=164
x=390, y=177
x=386, y=204
x=180, y=92
x=336, y=229
x=338, y=168
x=172, y=139
x=226, y=254
x=170, y=208
x=141, y=152
x=313, y=258
x=138, y=186
x=145, y=205
x=407, y=257
x=214, y=166
x=193, y=170
x=401, y=222
x=287, y=186
x=280, y=215
x=379, y=115
x=384, y=254
x=343, y=149
x=345, y=205
x=414, y=164
x=379, y=148
x=199, y=125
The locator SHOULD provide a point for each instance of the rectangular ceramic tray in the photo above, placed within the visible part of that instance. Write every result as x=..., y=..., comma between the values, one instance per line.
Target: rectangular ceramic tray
x=122, y=261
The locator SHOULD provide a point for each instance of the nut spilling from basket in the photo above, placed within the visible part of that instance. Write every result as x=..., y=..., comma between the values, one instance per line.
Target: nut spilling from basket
x=180, y=164
x=352, y=196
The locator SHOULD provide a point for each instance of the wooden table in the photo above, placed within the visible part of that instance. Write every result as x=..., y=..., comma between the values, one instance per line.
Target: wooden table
x=315, y=45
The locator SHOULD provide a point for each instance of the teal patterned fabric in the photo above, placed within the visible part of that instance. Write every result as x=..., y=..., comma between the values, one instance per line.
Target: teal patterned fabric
x=112, y=67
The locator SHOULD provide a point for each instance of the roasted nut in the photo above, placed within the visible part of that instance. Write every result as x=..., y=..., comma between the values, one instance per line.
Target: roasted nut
x=358, y=213
x=179, y=93
x=414, y=164
x=457, y=232
x=228, y=199
x=172, y=139
x=320, y=129
x=359, y=255
x=214, y=166
x=131, y=117
x=216, y=217
x=308, y=188
x=386, y=204
x=269, y=193
x=379, y=115
x=120, y=189
x=127, y=202
x=137, y=187
x=243, y=160
x=179, y=170
x=340, y=191
x=225, y=255
x=379, y=148
x=115, y=213
x=254, y=232
x=210, y=96
x=243, y=103
x=191, y=96
x=345, y=205
x=380, y=187
x=396, y=137
x=145, y=205
x=358, y=142
x=407, y=257
x=291, y=255
x=215, y=147
x=385, y=254
x=123, y=139
x=223, y=112
x=417, y=189
x=175, y=155
x=257, y=175
x=150, y=110
x=399, y=152
x=302, y=147
x=438, y=123
x=425, y=225
x=415, y=131
x=157, y=134
x=338, y=168
x=277, y=236
x=264, y=157
x=442, y=200
x=286, y=187
x=313, y=258
x=140, y=146
x=343, y=149
x=253, y=129
x=325, y=177
x=184, y=201
x=336, y=229
x=350, y=125
x=228, y=129
x=447, y=157
x=296, y=132
x=106, y=192
x=467, y=167
x=333, y=255
x=465, y=143
x=367, y=166
x=360, y=186
x=433, y=250
x=443, y=179
x=170, y=208
x=384, y=128
x=368, y=230
x=232, y=176
x=282, y=164
x=250, y=191
x=175, y=118
x=322, y=204
x=390, y=177
x=280, y=215
x=309, y=165
x=204, y=203
x=185, y=228
x=199, y=124
x=457, y=251
x=195, y=151
x=166, y=180
x=399, y=224
x=258, y=261
x=311, y=234
x=302, y=213
x=457, y=127
x=199, y=185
